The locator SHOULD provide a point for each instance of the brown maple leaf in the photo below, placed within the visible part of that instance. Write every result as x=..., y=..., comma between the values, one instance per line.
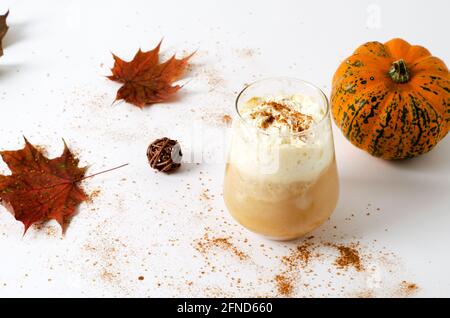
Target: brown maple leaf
x=3, y=29
x=41, y=189
x=145, y=80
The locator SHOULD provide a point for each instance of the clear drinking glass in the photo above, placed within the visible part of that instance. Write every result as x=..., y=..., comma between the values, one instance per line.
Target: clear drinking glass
x=281, y=185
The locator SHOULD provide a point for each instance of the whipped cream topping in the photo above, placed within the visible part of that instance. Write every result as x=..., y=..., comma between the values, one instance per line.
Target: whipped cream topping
x=280, y=154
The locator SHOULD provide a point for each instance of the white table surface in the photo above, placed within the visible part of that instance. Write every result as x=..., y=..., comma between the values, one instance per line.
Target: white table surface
x=142, y=223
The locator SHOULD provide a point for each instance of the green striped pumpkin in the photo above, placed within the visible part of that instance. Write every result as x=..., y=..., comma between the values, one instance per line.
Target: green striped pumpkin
x=392, y=100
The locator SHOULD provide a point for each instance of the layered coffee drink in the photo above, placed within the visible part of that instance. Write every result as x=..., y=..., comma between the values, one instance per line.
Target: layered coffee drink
x=281, y=178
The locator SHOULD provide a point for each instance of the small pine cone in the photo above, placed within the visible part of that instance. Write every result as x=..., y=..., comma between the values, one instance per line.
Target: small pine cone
x=164, y=154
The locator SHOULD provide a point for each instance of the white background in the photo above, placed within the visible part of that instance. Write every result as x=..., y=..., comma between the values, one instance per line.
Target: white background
x=52, y=86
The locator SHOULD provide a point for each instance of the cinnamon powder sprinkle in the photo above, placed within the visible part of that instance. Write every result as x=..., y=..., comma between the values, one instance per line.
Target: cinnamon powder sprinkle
x=277, y=106
x=408, y=288
x=298, y=121
x=349, y=257
x=298, y=258
x=268, y=120
x=205, y=196
x=206, y=244
x=284, y=285
x=227, y=119
x=276, y=112
x=94, y=194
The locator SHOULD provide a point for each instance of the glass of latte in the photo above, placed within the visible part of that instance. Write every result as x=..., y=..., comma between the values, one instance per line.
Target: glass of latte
x=281, y=178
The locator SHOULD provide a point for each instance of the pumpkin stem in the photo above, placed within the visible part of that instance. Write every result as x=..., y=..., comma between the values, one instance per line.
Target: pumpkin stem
x=399, y=72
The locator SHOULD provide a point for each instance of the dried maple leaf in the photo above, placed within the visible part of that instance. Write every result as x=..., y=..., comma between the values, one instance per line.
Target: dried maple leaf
x=145, y=80
x=40, y=189
x=3, y=29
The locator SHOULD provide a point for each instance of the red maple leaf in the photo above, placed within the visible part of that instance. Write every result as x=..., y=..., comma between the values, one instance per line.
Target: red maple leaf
x=3, y=29
x=41, y=189
x=145, y=80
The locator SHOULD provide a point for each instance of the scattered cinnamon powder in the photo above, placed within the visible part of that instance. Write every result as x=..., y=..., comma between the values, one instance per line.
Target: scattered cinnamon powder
x=284, y=285
x=105, y=257
x=405, y=289
x=297, y=261
x=213, y=78
x=206, y=244
x=245, y=52
x=227, y=119
x=349, y=257
x=108, y=276
x=94, y=194
x=298, y=258
x=49, y=229
x=205, y=196
x=365, y=294
x=296, y=275
x=408, y=289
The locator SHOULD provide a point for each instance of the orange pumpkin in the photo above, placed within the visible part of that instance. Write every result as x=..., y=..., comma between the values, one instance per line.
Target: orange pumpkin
x=392, y=100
